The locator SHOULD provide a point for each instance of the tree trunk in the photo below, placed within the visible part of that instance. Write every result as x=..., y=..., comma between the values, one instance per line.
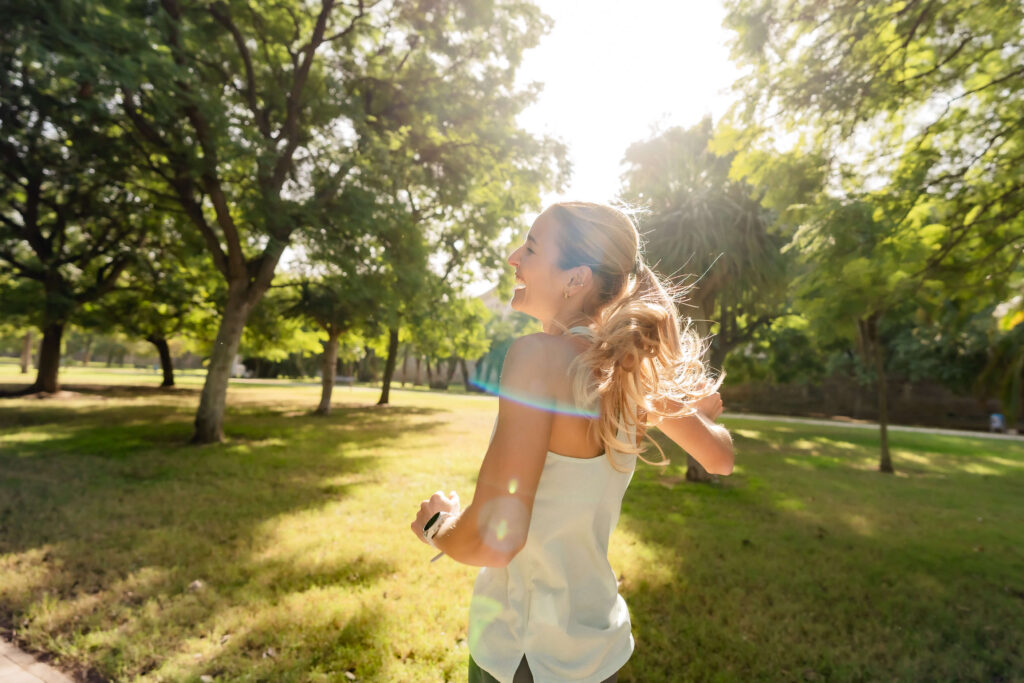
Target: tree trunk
x=418, y=364
x=465, y=376
x=722, y=342
x=26, y=353
x=430, y=375
x=209, y=422
x=166, y=364
x=367, y=366
x=330, y=368
x=696, y=472
x=87, y=351
x=405, y=366
x=373, y=365
x=452, y=364
x=389, y=366
x=718, y=352
x=885, y=462
x=872, y=348
x=49, y=360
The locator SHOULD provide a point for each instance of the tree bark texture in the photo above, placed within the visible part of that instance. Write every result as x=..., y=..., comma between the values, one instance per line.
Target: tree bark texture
x=49, y=360
x=210, y=415
x=26, y=353
x=328, y=372
x=166, y=363
x=389, y=366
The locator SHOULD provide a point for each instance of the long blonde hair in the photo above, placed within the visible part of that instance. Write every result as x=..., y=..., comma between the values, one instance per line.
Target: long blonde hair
x=641, y=361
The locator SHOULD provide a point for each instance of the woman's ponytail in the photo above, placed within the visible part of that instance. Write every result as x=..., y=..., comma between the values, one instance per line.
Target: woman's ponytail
x=642, y=363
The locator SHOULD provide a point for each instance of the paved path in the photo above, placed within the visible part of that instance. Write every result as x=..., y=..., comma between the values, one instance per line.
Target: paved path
x=20, y=667
x=864, y=424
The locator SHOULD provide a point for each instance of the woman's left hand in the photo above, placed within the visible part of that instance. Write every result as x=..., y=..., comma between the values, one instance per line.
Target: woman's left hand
x=436, y=503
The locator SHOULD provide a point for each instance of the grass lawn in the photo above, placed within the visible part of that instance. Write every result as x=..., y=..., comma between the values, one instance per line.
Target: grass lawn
x=284, y=554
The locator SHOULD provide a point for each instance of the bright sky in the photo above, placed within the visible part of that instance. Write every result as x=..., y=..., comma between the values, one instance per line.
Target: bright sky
x=613, y=72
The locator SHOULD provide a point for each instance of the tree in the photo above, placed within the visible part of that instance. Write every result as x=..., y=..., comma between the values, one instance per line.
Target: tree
x=704, y=223
x=454, y=329
x=916, y=109
x=339, y=305
x=168, y=290
x=450, y=170
x=245, y=112
x=1003, y=374
x=70, y=222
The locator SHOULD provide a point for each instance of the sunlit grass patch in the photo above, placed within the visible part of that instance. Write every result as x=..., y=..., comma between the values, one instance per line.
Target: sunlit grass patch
x=284, y=553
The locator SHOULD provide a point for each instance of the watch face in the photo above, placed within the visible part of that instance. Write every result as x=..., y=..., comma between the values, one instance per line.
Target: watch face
x=431, y=522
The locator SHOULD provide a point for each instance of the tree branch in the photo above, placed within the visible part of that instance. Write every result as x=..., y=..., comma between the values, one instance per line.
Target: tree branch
x=219, y=10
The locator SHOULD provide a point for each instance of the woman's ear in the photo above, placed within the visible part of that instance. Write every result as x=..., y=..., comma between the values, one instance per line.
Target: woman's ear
x=580, y=278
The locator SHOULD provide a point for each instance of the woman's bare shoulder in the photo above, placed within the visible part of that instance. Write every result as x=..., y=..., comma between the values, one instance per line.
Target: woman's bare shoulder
x=544, y=359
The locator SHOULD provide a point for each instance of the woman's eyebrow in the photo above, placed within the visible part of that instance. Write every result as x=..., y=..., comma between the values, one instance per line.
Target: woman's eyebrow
x=529, y=238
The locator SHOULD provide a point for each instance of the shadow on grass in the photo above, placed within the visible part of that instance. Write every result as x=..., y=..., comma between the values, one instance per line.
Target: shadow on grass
x=116, y=535
x=832, y=571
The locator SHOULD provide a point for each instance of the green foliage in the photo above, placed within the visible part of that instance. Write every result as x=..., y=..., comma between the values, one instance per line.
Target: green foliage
x=709, y=229
x=917, y=104
x=1003, y=374
x=455, y=327
x=168, y=290
x=71, y=213
x=785, y=351
x=912, y=229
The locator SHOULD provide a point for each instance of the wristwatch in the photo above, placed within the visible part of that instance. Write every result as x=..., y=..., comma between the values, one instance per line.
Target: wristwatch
x=433, y=526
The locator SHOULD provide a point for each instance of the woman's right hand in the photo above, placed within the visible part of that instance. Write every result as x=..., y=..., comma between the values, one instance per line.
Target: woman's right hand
x=710, y=406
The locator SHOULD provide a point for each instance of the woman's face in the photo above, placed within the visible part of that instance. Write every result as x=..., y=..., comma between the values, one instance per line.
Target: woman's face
x=539, y=280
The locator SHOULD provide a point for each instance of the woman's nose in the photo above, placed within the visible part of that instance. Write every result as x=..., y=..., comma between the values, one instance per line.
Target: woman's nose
x=513, y=258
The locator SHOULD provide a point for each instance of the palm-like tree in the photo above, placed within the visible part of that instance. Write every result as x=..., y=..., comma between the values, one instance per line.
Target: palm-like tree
x=709, y=233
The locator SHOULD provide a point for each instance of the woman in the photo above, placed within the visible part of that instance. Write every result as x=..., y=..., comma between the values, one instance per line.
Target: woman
x=573, y=403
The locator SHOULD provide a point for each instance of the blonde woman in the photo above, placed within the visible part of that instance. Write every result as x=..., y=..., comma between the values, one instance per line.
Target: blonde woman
x=574, y=402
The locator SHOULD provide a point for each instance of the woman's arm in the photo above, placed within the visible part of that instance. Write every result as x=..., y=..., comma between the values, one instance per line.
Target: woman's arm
x=493, y=528
x=710, y=444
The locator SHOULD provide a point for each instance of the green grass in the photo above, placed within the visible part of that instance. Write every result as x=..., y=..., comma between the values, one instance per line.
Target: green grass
x=805, y=564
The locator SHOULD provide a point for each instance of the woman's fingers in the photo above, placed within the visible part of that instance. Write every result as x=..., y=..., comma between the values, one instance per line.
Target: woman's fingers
x=438, y=502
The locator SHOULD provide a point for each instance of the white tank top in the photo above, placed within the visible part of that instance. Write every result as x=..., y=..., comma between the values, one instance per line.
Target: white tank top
x=557, y=601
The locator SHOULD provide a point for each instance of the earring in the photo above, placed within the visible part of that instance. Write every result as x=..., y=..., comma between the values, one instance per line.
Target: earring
x=565, y=293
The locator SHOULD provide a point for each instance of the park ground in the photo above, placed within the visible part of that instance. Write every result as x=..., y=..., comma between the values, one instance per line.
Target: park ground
x=285, y=553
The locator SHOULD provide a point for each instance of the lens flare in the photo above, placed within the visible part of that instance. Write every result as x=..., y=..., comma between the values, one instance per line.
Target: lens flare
x=482, y=612
x=504, y=522
x=549, y=405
